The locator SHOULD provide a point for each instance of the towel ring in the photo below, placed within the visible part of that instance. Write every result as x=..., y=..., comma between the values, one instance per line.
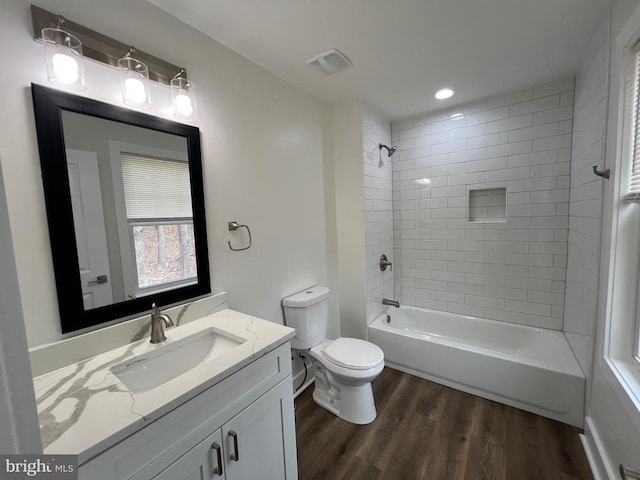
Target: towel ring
x=233, y=226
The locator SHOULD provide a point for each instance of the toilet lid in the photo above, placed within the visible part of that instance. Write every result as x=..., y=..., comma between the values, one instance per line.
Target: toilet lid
x=354, y=353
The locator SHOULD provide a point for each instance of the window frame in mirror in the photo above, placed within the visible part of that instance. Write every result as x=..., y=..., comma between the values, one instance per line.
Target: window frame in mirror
x=48, y=106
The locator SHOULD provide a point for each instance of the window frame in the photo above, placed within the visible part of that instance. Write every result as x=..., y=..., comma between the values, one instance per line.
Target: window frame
x=127, y=250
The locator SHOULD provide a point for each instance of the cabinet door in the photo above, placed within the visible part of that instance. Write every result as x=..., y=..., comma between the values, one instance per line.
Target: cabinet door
x=260, y=442
x=199, y=463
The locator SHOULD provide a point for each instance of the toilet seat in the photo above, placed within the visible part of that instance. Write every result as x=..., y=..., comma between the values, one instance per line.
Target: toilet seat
x=353, y=353
x=347, y=374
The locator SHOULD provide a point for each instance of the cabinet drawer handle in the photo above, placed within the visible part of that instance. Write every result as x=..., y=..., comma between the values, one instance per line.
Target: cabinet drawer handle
x=218, y=469
x=236, y=455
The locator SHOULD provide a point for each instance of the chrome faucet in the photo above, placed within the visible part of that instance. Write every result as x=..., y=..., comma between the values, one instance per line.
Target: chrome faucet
x=157, y=327
x=392, y=303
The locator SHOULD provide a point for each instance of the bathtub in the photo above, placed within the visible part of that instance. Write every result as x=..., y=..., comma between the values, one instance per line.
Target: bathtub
x=528, y=368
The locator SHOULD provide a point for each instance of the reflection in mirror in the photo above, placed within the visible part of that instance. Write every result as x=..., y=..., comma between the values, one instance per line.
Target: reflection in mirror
x=125, y=207
x=132, y=213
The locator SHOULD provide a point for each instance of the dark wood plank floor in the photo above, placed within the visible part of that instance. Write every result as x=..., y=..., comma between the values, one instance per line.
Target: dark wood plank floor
x=427, y=431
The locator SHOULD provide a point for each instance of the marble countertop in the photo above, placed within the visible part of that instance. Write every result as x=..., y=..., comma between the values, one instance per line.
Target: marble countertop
x=84, y=408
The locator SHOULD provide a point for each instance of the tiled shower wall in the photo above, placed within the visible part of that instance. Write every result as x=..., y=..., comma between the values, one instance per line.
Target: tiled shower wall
x=378, y=207
x=590, y=118
x=512, y=270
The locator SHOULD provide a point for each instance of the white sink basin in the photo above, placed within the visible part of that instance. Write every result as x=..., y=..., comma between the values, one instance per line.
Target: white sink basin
x=168, y=361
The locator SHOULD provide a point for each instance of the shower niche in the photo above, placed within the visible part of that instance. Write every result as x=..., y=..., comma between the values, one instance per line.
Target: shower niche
x=488, y=205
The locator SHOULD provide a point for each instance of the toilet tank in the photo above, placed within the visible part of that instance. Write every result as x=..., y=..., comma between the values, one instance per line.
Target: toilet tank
x=307, y=312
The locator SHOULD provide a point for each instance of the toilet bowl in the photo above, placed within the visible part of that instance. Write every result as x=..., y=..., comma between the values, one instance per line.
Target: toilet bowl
x=343, y=368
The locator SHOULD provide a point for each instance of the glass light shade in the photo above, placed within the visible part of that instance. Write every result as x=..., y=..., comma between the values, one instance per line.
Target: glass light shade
x=183, y=93
x=63, y=56
x=134, y=80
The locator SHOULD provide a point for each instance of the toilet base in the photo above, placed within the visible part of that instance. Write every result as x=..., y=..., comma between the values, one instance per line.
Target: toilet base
x=353, y=403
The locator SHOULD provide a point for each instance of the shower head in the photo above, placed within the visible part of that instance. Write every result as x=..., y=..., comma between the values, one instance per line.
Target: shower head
x=390, y=150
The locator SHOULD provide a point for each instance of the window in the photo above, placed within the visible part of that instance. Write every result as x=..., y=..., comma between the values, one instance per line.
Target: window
x=159, y=217
x=633, y=97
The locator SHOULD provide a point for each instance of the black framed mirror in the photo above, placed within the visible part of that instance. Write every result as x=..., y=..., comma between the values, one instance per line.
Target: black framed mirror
x=125, y=208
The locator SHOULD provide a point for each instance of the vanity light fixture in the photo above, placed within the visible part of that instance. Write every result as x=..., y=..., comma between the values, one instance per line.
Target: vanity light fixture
x=63, y=57
x=183, y=95
x=134, y=80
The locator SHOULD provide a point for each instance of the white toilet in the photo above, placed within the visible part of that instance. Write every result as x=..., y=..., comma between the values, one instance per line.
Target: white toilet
x=345, y=367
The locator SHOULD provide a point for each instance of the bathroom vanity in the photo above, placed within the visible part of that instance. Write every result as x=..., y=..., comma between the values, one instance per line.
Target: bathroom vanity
x=213, y=401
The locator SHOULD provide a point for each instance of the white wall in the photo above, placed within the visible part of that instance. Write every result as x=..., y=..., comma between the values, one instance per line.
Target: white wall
x=264, y=146
x=18, y=418
x=514, y=270
x=350, y=220
x=378, y=207
x=585, y=208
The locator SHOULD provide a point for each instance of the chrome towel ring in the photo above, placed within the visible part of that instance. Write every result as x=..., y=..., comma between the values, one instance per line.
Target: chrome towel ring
x=233, y=226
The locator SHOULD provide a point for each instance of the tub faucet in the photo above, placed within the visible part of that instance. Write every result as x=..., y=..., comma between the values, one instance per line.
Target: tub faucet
x=392, y=303
x=157, y=327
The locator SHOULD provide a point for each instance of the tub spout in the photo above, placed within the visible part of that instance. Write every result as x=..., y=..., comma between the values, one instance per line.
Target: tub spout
x=393, y=303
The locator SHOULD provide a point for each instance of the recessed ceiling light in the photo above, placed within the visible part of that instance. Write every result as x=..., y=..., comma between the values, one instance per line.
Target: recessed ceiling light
x=444, y=93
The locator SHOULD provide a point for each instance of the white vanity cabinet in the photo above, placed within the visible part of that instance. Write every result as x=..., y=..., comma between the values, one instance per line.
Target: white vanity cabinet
x=247, y=418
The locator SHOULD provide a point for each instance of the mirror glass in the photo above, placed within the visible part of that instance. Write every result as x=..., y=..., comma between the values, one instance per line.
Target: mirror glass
x=125, y=208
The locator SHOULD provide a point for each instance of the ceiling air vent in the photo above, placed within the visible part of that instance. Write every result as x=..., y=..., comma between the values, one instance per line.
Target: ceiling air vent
x=330, y=62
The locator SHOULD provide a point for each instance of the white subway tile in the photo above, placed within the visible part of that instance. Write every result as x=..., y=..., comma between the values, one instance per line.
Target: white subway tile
x=511, y=123
x=509, y=98
x=488, y=116
x=547, y=272
x=509, y=174
x=466, y=267
x=554, y=115
x=530, y=259
x=532, y=106
x=492, y=280
x=446, y=276
x=551, y=169
x=545, y=297
x=509, y=149
x=465, y=309
x=507, y=247
x=505, y=293
x=549, y=143
x=535, y=158
x=488, y=140
x=544, y=322
x=529, y=133
x=534, y=184
x=539, y=284
x=527, y=307
x=559, y=86
x=467, y=178
x=431, y=117
x=467, y=155
x=481, y=301
x=503, y=315
x=488, y=164
x=506, y=270
x=548, y=248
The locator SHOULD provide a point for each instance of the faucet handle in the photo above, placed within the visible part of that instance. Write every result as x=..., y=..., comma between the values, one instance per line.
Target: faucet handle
x=155, y=311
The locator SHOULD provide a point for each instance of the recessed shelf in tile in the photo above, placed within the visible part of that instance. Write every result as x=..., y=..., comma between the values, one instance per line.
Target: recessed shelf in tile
x=488, y=205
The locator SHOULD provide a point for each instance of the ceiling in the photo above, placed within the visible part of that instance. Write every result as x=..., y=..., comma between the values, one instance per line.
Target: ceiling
x=404, y=50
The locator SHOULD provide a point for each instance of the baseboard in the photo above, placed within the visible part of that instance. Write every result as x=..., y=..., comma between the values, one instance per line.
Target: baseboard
x=303, y=387
x=601, y=466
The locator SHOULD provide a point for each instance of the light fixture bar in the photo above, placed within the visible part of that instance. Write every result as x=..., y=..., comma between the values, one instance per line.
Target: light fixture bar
x=104, y=49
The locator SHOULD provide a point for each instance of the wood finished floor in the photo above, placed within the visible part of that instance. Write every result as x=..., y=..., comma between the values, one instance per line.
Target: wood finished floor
x=427, y=431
